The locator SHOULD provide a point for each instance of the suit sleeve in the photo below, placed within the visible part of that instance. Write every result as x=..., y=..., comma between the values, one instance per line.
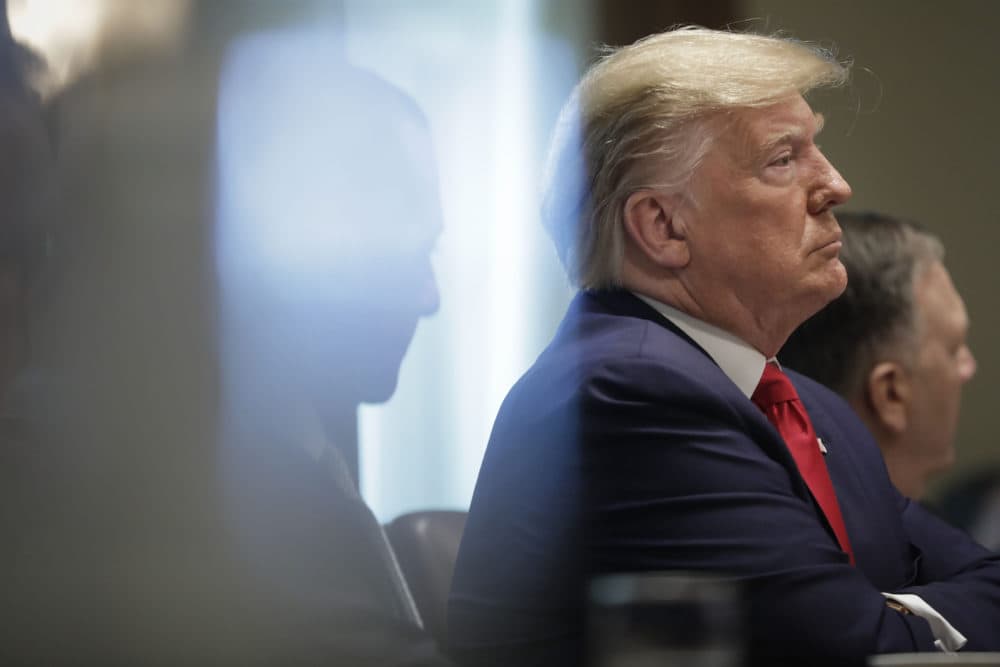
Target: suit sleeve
x=680, y=479
x=957, y=577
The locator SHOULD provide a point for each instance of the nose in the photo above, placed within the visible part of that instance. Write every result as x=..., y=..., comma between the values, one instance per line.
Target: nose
x=967, y=364
x=831, y=189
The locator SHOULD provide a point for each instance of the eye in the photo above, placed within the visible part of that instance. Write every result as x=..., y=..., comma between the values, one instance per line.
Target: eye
x=782, y=161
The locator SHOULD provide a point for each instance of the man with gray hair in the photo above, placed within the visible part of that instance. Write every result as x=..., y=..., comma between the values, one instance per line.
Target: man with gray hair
x=893, y=345
x=690, y=203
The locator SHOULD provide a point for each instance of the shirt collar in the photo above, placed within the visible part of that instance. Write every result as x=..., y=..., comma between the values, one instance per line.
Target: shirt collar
x=741, y=363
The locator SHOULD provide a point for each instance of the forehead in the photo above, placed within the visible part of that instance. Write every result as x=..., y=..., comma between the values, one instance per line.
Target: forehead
x=759, y=129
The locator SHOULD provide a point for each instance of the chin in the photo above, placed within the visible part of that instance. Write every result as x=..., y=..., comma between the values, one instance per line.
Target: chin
x=832, y=285
x=838, y=279
x=380, y=387
x=372, y=372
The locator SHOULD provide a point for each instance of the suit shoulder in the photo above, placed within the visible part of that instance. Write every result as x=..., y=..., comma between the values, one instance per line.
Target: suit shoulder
x=618, y=360
x=811, y=391
x=605, y=345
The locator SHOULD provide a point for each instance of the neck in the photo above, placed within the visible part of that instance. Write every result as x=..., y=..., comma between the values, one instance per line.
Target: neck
x=904, y=469
x=726, y=311
x=904, y=473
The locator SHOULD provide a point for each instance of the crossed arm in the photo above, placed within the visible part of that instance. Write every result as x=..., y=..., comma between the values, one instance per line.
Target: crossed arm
x=682, y=479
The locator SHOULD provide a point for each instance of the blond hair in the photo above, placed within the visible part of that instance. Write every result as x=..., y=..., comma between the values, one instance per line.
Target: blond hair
x=638, y=119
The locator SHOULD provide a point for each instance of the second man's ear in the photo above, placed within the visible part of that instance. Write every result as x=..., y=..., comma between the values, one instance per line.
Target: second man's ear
x=888, y=394
x=654, y=231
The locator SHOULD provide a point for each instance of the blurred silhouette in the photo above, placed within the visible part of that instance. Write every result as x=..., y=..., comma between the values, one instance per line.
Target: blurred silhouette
x=26, y=190
x=29, y=511
x=893, y=344
x=328, y=214
x=141, y=538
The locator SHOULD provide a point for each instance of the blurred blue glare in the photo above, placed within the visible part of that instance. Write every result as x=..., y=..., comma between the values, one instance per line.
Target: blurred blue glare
x=295, y=216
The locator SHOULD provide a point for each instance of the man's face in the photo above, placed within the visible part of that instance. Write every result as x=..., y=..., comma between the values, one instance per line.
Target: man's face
x=943, y=364
x=358, y=276
x=388, y=284
x=759, y=220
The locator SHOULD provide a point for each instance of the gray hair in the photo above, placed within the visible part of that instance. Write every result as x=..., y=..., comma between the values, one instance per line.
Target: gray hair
x=874, y=319
x=639, y=119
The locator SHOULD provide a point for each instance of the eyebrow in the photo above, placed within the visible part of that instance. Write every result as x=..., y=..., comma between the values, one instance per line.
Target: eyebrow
x=793, y=135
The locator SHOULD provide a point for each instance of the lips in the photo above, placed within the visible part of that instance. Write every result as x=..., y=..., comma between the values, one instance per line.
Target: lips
x=832, y=244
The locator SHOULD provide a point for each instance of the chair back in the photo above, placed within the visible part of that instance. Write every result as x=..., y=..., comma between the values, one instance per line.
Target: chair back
x=426, y=546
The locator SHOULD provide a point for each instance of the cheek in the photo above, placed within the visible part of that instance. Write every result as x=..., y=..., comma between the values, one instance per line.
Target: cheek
x=944, y=393
x=935, y=421
x=787, y=231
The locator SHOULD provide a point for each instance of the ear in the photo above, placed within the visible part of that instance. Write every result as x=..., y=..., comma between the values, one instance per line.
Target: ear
x=651, y=226
x=888, y=394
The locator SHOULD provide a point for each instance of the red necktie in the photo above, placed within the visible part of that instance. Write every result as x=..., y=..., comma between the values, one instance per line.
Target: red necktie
x=778, y=400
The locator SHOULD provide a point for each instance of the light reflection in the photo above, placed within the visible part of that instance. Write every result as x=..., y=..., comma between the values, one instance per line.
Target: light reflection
x=72, y=34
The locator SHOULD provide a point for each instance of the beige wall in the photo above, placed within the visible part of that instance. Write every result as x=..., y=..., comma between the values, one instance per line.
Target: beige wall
x=924, y=146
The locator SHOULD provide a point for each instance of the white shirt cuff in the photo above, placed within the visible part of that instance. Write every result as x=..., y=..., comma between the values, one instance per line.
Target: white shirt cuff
x=946, y=637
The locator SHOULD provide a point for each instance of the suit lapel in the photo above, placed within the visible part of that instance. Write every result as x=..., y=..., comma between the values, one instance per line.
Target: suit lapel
x=624, y=303
x=855, y=484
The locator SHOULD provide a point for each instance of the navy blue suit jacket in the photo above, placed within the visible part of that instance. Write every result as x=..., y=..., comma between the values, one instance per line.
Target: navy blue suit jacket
x=625, y=448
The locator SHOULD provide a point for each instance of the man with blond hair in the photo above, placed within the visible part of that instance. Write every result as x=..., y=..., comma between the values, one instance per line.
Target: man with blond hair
x=893, y=345
x=689, y=202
